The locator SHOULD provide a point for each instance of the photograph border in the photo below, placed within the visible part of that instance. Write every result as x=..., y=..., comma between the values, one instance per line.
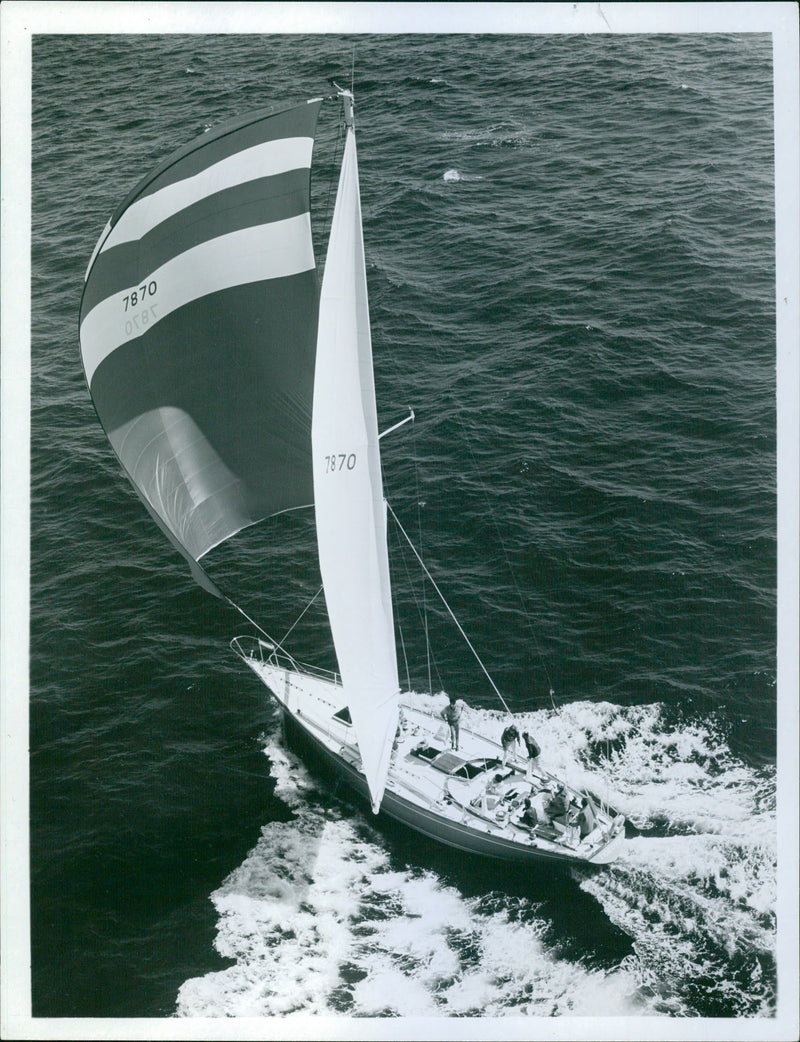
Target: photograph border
x=19, y=22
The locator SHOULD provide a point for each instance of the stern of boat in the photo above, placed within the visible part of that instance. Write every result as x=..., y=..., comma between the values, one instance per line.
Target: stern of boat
x=611, y=849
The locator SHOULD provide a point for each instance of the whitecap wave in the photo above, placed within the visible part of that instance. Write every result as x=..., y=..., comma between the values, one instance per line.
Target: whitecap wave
x=458, y=175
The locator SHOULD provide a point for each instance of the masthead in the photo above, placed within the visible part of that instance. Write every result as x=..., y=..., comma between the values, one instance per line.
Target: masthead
x=347, y=102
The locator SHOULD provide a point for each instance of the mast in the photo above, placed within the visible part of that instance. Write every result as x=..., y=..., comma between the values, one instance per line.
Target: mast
x=348, y=104
x=348, y=485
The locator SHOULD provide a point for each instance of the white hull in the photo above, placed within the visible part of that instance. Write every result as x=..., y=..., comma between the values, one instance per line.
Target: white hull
x=428, y=786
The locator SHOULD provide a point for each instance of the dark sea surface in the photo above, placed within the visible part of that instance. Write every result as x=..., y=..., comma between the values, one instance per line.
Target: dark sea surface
x=570, y=246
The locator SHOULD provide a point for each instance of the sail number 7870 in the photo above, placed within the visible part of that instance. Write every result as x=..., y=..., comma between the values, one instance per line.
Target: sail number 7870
x=340, y=461
x=137, y=296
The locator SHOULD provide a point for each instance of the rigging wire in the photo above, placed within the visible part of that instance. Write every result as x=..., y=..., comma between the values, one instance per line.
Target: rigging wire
x=278, y=645
x=253, y=622
x=450, y=610
x=412, y=588
x=405, y=656
x=419, y=529
x=302, y=613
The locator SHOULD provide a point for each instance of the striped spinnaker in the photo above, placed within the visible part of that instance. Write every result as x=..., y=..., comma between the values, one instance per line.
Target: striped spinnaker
x=198, y=330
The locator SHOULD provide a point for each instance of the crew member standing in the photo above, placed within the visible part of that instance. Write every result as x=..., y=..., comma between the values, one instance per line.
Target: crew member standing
x=508, y=740
x=452, y=714
x=533, y=753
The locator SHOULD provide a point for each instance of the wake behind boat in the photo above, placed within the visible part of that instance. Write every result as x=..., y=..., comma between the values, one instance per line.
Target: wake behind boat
x=234, y=387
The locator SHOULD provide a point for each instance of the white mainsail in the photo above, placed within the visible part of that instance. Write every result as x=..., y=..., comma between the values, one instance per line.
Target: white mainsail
x=348, y=488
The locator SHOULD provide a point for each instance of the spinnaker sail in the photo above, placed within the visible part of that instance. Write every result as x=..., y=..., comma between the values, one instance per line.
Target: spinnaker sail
x=198, y=330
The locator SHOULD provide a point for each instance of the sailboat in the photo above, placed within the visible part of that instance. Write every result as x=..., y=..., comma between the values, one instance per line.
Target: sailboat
x=233, y=386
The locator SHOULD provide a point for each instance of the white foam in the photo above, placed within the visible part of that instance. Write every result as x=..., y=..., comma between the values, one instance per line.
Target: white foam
x=319, y=921
x=284, y=918
x=699, y=899
x=700, y=909
x=459, y=175
x=292, y=780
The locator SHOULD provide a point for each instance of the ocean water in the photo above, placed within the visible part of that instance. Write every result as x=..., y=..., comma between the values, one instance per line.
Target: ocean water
x=570, y=245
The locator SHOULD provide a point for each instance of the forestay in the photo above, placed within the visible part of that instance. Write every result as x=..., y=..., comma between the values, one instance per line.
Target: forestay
x=198, y=328
x=348, y=489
